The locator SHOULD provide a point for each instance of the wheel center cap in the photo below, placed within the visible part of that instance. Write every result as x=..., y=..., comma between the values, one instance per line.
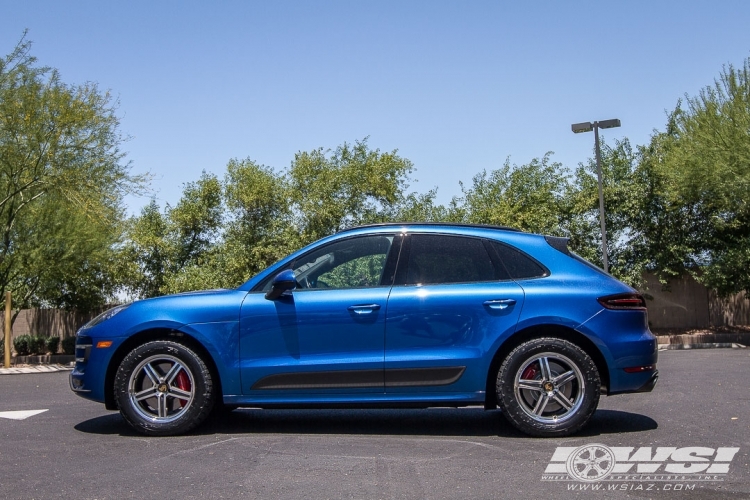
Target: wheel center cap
x=549, y=386
x=162, y=388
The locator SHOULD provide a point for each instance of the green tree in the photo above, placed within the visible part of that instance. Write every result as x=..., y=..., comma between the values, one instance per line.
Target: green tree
x=416, y=207
x=353, y=185
x=622, y=201
x=66, y=256
x=260, y=229
x=168, y=252
x=145, y=256
x=661, y=227
x=528, y=197
x=707, y=170
x=222, y=233
x=59, y=155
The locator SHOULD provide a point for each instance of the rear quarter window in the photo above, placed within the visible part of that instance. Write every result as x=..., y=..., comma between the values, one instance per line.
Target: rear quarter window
x=518, y=264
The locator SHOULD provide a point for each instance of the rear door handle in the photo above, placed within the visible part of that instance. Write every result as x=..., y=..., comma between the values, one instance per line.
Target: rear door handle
x=499, y=304
x=364, y=309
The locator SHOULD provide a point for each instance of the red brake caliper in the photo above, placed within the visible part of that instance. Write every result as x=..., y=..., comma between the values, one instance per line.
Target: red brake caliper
x=528, y=373
x=183, y=383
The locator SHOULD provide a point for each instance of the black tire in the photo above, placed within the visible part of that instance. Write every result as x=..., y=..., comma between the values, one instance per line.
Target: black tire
x=164, y=388
x=548, y=387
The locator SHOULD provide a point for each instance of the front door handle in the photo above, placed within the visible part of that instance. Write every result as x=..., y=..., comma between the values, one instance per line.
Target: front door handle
x=364, y=309
x=499, y=304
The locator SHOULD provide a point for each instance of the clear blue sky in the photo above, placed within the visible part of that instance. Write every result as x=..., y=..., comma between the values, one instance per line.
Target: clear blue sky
x=456, y=87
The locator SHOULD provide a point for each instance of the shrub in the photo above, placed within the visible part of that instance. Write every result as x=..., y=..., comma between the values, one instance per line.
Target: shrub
x=2, y=347
x=69, y=345
x=21, y=345
x=36, y=344
x=52, y=344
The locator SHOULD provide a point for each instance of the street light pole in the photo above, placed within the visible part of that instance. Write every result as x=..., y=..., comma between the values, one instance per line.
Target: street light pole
x=588, y=127
x=602, y=222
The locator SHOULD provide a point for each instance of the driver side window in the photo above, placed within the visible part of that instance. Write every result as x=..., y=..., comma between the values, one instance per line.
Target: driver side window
x=351, y=263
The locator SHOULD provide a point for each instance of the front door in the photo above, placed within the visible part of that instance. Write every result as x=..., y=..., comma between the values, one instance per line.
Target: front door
x=328, y=334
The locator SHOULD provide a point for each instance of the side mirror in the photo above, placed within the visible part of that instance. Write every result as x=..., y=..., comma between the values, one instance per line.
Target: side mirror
x=282, y=282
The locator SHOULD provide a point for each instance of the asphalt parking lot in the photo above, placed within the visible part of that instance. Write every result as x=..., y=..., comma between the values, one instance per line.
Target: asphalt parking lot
x=77, y=449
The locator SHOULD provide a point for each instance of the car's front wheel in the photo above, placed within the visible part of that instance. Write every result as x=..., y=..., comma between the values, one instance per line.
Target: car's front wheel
x=164, y=388
x=548, y=387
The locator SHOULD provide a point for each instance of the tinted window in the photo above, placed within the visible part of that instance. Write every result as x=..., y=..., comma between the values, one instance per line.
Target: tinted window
x=447, y=259
x=518, y=264
x=351, y=263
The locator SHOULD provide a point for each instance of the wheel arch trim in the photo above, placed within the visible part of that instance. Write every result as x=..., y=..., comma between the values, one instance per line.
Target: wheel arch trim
x=150, y=335
x=538, y=331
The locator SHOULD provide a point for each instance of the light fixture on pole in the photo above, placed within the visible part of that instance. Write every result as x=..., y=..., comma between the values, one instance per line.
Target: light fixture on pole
x=595, y=126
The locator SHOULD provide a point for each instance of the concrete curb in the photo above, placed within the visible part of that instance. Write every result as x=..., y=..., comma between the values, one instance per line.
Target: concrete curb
x=17, y=370
x=45, y=359
x=704, y=337
x=719, y=345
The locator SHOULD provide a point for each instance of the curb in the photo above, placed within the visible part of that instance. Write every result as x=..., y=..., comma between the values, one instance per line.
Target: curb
x=719, y=345
x=703, y=337
x=17, y=370
x=45, y=359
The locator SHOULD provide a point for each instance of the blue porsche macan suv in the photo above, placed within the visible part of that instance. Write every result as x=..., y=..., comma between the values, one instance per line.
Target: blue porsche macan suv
x=388, y=315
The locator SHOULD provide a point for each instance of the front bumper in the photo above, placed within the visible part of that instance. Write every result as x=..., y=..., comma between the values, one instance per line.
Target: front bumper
x=88, y=376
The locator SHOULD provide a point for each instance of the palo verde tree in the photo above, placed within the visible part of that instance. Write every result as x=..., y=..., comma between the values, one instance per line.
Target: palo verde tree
x=59, y=155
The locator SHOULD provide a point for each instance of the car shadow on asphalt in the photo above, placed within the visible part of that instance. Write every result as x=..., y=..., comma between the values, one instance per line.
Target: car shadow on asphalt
x=426, y=422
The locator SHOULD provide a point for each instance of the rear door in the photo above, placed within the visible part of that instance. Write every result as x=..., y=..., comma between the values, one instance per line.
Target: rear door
x=451, y=300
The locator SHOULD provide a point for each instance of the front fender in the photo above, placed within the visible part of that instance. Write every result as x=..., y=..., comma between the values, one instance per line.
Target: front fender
x=221, y=341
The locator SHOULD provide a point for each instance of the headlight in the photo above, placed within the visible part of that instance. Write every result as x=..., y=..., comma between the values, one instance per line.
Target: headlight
x=105, y=316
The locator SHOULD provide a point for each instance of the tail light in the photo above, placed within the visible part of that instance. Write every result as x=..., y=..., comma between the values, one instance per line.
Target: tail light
x=639, y=369
x=627, y=301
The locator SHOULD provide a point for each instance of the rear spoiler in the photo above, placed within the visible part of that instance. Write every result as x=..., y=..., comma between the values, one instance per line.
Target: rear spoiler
x=558, y=243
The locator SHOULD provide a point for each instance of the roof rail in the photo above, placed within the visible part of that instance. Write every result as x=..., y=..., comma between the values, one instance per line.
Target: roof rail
x=450, y=224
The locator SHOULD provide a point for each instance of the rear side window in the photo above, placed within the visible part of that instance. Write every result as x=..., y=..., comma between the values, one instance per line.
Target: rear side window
x=447, y=259
x=518, y=264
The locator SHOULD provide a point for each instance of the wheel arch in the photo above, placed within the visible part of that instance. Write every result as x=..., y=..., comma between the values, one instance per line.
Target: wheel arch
x=151, y=335
x=539, y=331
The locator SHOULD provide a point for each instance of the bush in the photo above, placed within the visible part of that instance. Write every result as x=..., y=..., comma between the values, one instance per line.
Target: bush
x=26, y=345
x=69, y=345
x=21, y=345
x=52, y=344
x=2, y=347
x=36, y=345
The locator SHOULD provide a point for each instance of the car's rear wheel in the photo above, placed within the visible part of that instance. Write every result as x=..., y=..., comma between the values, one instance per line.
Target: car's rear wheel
x=548, y=387
x=164, y=388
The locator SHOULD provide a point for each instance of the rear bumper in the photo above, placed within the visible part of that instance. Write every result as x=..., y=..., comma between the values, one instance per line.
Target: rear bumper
x=647, y=387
